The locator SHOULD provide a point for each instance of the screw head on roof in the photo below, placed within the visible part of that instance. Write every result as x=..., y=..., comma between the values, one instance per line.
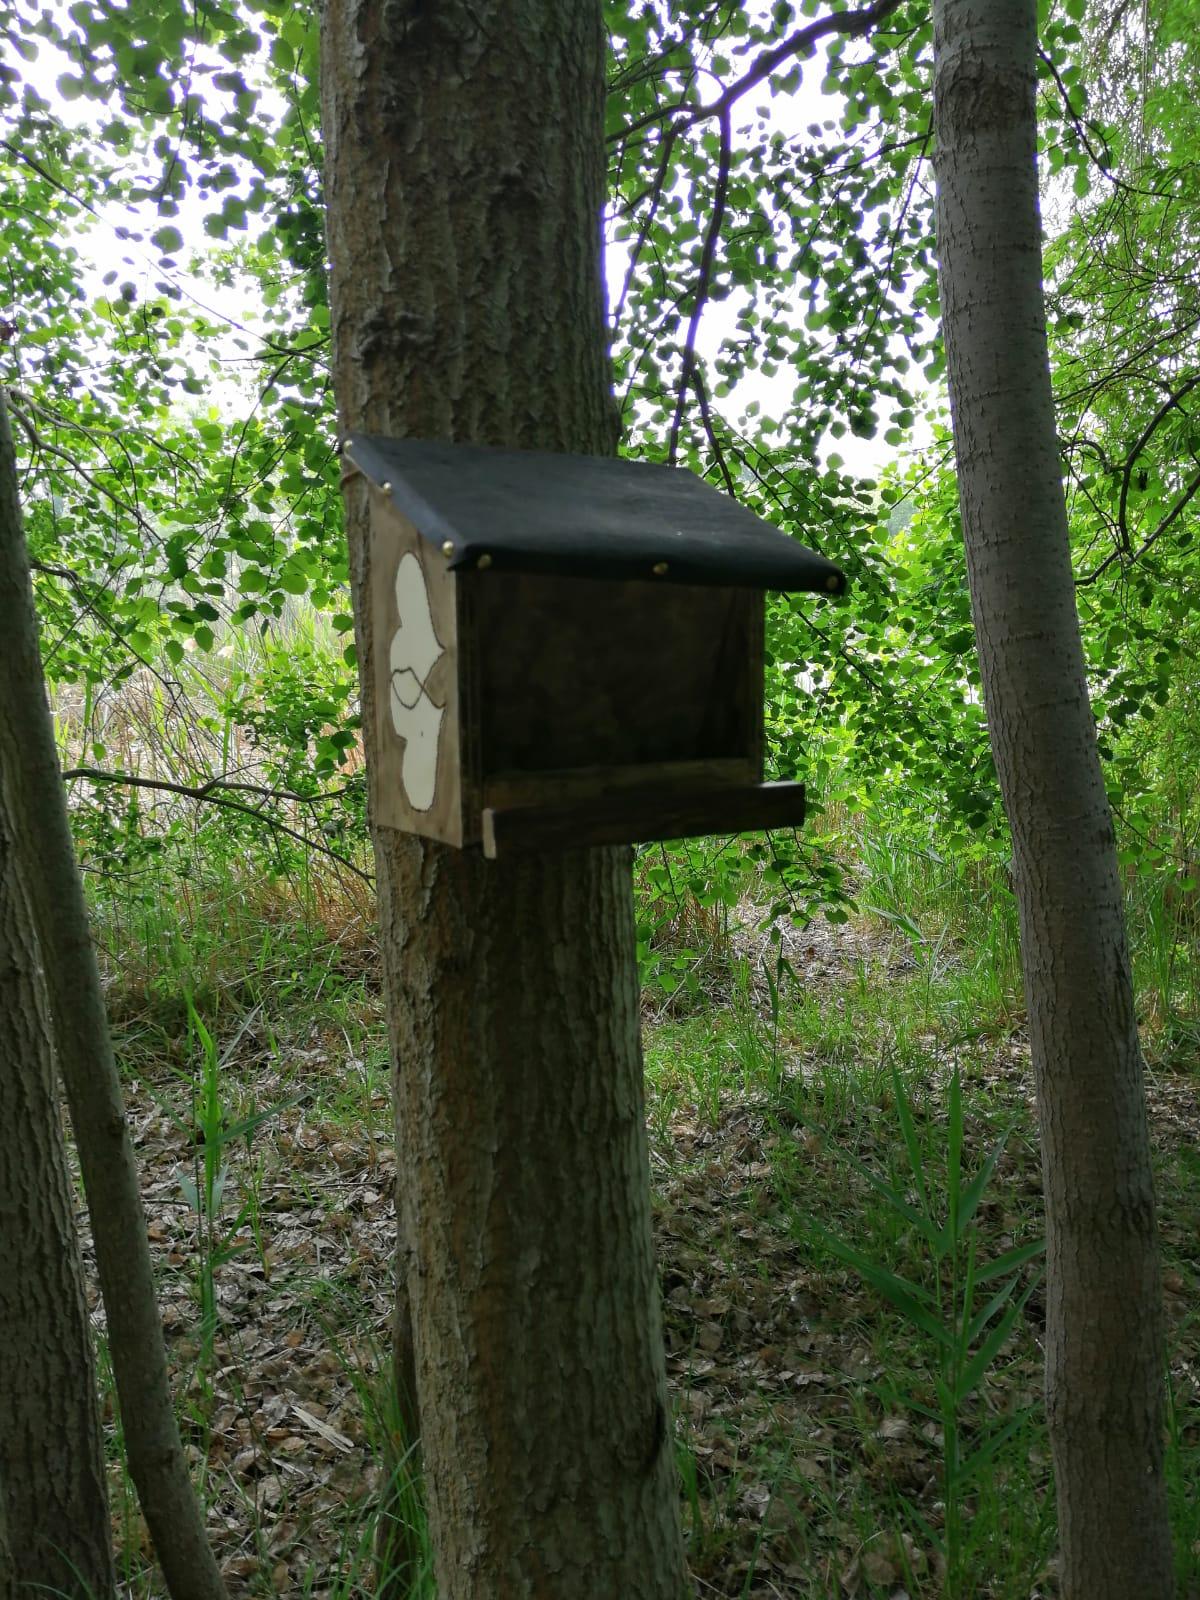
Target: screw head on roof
x=659, y=569
x=484, y=562
x=448, y=548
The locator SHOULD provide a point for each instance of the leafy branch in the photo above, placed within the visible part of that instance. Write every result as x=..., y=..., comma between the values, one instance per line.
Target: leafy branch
x=219, y=792
x=847, y=24
x=1124, y=551
x=44, y=447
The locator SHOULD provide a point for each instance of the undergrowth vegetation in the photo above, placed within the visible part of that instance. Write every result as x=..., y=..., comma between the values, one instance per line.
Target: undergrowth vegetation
x=847, y=1198
x=841, y=1128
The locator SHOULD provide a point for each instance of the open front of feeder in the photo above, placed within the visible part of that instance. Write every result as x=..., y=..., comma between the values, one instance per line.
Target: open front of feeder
x=568, y=650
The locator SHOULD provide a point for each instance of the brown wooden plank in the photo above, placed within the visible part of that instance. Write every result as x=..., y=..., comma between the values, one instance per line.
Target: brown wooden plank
x=634, y=816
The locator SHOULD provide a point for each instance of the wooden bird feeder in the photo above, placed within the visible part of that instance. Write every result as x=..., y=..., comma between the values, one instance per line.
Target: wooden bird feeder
x=567, y=650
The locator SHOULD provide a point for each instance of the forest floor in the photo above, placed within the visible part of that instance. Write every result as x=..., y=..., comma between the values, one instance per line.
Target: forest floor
x=827, y=1444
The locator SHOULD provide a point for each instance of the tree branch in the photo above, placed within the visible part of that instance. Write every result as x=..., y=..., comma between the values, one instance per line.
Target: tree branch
x=75, y=582
x=121, y=504
x=1164, y=526
x=1103, y=162
x=1171, y=403
x=847, y=24
x=213, y=792
x=655, y=194
x=703, y=282
x=713, y=442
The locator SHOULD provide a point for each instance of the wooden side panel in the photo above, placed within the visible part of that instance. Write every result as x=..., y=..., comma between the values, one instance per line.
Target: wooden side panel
x=578, y=673
x=417, y=735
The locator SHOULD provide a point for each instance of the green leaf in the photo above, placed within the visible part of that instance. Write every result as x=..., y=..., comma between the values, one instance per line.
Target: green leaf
x=912, y=1300
x=971, y=1375
x=168, y=240
x=1011, y=1260
x=973, y=1193
x=912, y=1145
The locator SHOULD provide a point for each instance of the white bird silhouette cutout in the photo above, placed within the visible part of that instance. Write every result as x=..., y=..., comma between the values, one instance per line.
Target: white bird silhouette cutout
x=415, y=652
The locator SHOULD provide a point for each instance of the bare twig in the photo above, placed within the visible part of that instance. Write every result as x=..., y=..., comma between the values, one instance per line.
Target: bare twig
x=1102, y=160
x=714, y=443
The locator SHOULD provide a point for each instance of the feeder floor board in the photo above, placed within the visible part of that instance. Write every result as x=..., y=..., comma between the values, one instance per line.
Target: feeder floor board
x=635, y=816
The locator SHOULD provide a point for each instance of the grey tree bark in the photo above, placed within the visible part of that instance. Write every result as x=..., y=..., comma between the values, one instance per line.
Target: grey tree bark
x=35, y=803
x=464, y=170
x=52, y=1489
x=1104, y=1346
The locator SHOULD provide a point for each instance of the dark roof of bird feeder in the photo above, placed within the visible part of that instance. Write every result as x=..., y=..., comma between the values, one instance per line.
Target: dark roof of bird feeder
x=583, y=516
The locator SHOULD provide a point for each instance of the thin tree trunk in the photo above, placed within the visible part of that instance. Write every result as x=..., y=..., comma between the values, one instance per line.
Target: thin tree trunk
x=8, y=1572
x=1104, y=1346
x=51, y=1444
x=36, y=803
x=464, y=169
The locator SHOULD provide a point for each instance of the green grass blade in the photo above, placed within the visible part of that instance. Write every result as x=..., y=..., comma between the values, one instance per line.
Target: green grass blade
x=954, y=1146
x=973, y=1193
x=911, y=1143
x=909, y=1299
x=1010, y=1260
x=994, y=1306
x=974, y=1370
x=921, y=1220
x=992, y=1443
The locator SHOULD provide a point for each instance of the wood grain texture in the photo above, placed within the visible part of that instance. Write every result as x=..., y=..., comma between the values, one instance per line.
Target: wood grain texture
x=504, y=790
x=8, y=1566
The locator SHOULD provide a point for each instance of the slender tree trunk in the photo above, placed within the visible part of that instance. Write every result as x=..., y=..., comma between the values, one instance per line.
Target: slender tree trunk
x=8, y=1572
x=36, y=804
x=1104, y=1347
x=51, y=1445
x=464, y=178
